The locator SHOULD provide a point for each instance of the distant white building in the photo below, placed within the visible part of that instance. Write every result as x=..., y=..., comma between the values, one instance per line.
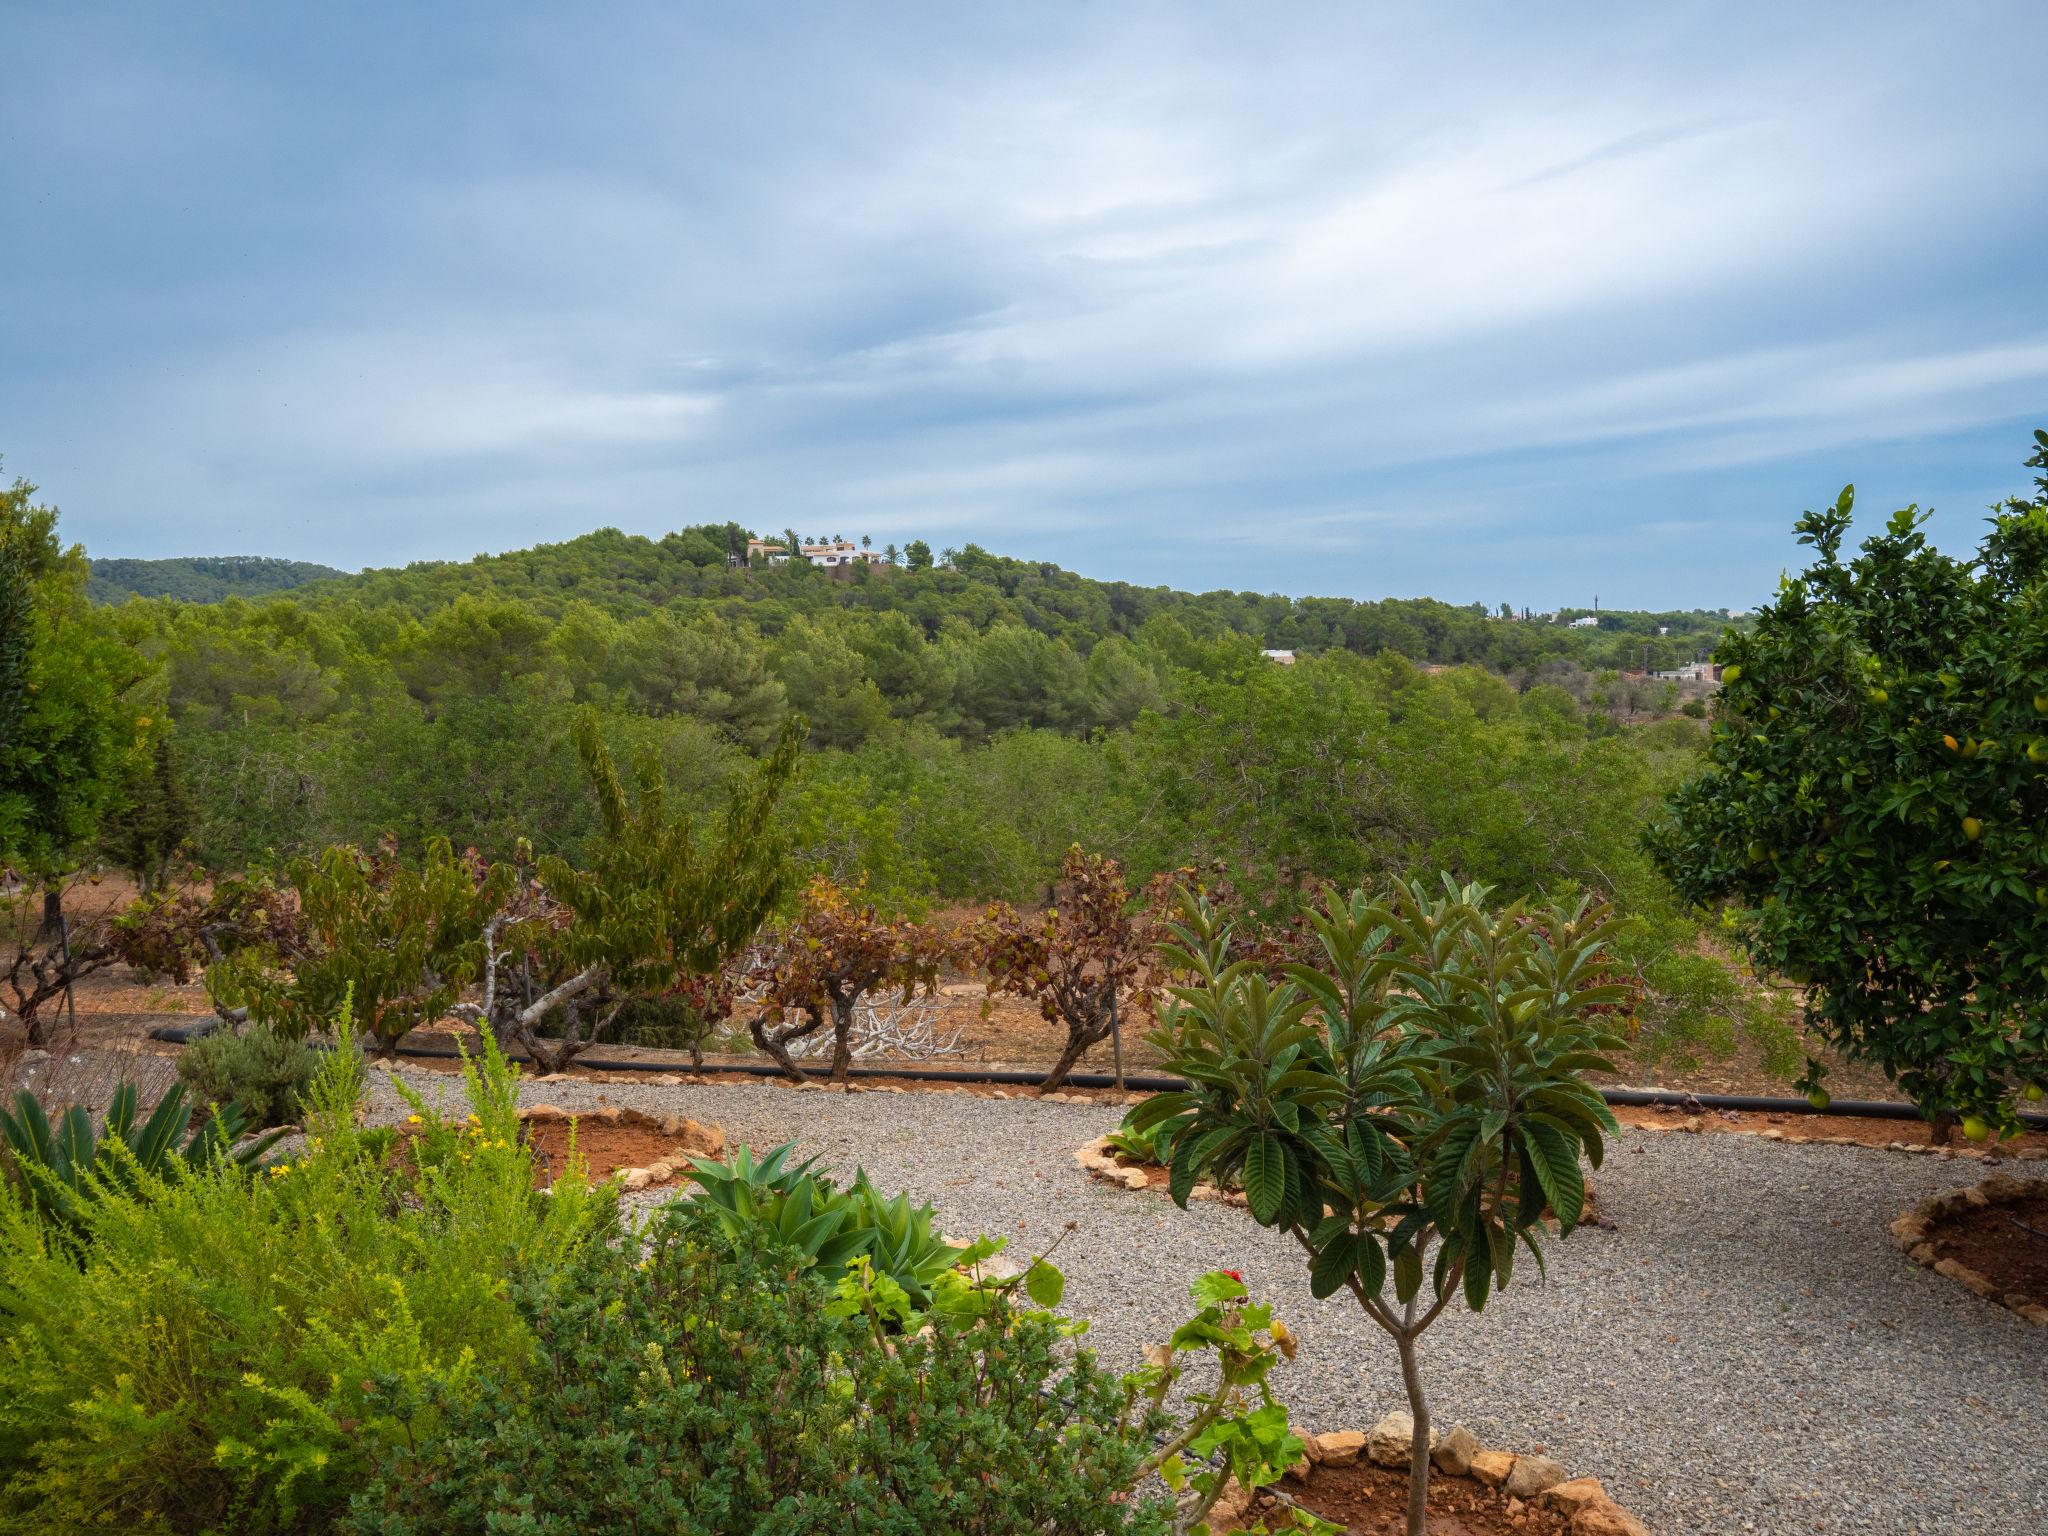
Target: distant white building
x=842, y=552
x=1585, y=621
x=1283, y=658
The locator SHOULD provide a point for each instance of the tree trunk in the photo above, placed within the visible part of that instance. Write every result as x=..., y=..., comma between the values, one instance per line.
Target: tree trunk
x=842, y=1036
x=1079, y=1039
x=1941, y=1128
x=775, y=1043
x=1418, y=1449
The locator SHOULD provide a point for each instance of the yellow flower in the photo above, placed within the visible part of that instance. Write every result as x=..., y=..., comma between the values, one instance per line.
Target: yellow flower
x=412, y=1119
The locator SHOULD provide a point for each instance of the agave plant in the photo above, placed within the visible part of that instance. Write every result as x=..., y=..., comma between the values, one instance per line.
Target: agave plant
x=903, y=1243
x=828, y=1226
x=64, y=1165
x=805, y=1211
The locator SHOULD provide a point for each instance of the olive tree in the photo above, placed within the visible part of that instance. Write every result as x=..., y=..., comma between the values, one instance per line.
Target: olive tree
x=1874, y=803
x=1408, y=1110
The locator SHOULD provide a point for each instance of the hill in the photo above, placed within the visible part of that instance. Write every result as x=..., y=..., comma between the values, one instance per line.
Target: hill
x=202, y=578
x=686, y=572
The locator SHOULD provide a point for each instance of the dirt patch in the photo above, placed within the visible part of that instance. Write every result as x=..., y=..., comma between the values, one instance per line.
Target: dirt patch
x=1374, y=1500
x=2006, y=1243
x=648, y=1151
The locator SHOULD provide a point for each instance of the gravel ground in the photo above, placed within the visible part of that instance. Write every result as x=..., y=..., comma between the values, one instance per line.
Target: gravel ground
x=1746, y=1352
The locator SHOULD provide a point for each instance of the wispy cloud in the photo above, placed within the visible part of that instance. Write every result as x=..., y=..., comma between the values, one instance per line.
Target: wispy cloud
x=1367, y=302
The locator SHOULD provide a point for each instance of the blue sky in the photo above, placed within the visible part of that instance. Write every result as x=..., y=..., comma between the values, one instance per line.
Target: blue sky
x=1363, y=300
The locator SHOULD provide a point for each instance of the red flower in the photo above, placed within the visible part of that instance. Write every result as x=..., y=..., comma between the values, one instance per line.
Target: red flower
x=1235, y=1276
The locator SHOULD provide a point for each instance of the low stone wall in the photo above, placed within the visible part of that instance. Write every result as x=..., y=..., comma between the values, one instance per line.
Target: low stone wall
x=1913, y=1233
x=696, y=1138
x=1530, y=1478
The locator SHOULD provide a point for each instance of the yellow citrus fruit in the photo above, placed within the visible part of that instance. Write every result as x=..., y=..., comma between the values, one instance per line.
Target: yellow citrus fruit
x=2034, y=1093
x=1972, y=828
x=1951, y=743
x=1730, y=673
x=1820, y=1098
x=1879, y=696
x=1976, y=1128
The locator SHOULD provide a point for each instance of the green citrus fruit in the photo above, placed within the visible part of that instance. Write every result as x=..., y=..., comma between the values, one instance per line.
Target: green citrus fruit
x=1976, y=1128
x=1820, y=1098
x=1879, y=696
x=2037, y=752
x=2034, y=1093
x=1972, y=828
x=2041, y=703
x=1731, y=672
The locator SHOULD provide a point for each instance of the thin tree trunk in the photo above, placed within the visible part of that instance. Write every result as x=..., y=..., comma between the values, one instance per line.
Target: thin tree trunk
x=842, y=1036
x=1418, y=1449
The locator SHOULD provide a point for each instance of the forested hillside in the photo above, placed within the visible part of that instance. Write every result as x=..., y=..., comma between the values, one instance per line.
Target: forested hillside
x=970, y=717
x=201, y=578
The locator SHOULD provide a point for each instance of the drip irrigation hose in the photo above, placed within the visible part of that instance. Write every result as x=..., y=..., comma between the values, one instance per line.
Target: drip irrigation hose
x=1641, y=1098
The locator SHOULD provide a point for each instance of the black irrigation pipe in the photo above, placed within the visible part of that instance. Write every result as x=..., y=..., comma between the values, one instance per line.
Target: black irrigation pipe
x=1641, y=1098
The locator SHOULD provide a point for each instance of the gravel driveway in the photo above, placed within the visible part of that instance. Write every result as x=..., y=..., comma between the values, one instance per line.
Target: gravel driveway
x=1746, y=1352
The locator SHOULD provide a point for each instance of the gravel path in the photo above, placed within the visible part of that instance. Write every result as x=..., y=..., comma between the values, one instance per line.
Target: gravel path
x=1746, y=1353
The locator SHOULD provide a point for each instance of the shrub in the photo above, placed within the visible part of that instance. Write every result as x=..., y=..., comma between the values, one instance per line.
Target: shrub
x=1872, y=803
x=827, y=1227
x=263, y=1071
x=718, y=1386
x=220, y=1353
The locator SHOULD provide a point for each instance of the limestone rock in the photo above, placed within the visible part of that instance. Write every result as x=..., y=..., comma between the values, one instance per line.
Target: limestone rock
x=1571, y=1497
x=1492, y=1467
x=1454, y=1452
x=636, y=1178
x=1533, y=1475
x=704, y=1140
x=1232, y=1504
x=1604, y=1517
x=1390, y=1442
x=1339, y=1448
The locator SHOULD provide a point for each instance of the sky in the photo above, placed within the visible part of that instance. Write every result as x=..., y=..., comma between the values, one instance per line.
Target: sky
x=1520, y=304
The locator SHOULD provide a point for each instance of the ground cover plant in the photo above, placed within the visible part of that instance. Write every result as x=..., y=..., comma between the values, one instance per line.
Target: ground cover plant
x=1873, y=803
x=1408, y=1110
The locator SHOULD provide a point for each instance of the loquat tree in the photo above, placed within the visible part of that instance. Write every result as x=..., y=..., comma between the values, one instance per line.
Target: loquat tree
x=1408, y=1110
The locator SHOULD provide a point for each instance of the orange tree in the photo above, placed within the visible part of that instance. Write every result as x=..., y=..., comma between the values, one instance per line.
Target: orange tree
x=1875, y=805
x=835, y=951
x=1077, y=960
x=1407, y=1109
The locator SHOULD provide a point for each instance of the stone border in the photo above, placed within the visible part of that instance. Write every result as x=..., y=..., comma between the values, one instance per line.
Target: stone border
x=1697, y=1125
x=696, y=1137
x=1912, y=1234
x=1100, y=1162
x=1532, y=1477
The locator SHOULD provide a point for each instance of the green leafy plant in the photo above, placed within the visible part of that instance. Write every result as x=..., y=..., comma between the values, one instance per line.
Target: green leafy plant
x=1872, y=802
x=216, y=1352
x=263, y=1072
x=1408, y=1110
x=62, y=1167
x=828, y=1227
x=720, y=1385
x=1235, y=1429
x=1154, y=1144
